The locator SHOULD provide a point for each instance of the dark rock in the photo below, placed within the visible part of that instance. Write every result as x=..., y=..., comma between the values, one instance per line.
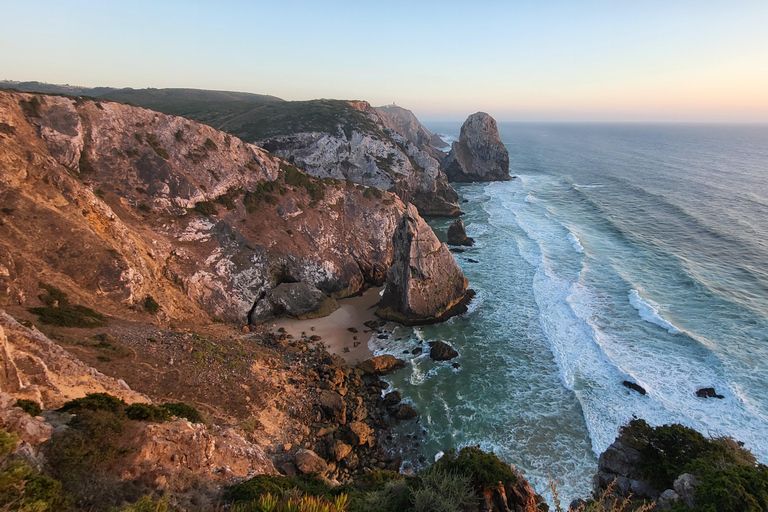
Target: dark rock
x=577, y=504
x=457, y=234
x=309, y=462
x=472, y=261
x=289, y=469
x=465, y=200
x=381, y=365
x=424, y=283
x=685, y=486
x=456, y=250
x=456, y=365
x=441, y=351
x=634, y=386
x=352, y=329
x=300, y=300
x=417, y=351
x=708, y=393
x=479, y=154
x=393, y=398
x=406, y=412
x=333, y=406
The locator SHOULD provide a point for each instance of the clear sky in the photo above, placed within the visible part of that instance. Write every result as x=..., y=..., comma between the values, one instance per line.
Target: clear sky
x=564, y=60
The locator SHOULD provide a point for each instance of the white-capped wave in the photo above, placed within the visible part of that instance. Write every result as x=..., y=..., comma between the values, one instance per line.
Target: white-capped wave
x=576, y=243
x=531, y=199
x=649, y=311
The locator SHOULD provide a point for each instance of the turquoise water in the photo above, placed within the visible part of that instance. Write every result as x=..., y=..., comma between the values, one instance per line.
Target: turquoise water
x=619, y=253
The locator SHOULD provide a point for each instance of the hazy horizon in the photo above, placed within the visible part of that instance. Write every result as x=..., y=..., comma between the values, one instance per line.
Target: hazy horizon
x=593, y=61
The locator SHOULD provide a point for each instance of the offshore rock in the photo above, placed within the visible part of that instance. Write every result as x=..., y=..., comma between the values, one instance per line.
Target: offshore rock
x=441, y=351
x=479, y=154
x=457, y=234
x=424, y=284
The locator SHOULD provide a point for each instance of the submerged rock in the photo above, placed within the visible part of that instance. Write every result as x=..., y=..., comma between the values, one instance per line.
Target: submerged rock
x=708, y=393
x=424, y=284
x=634, y=386
x=457, y=234
x=479, y=154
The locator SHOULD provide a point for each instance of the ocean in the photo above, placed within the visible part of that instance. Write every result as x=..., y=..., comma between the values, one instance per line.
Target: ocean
x=619, y=252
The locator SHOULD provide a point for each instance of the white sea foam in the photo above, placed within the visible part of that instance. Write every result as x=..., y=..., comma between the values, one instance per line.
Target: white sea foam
x=576, y=243
x=650, y=311
x=531, y=199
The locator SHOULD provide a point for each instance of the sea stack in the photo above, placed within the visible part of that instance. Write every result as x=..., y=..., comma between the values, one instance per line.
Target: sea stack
x=479, y=154
x=457, y=234
x=424, y=284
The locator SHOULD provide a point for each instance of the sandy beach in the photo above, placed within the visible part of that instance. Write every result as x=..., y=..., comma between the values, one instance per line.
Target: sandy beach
x=334, y=330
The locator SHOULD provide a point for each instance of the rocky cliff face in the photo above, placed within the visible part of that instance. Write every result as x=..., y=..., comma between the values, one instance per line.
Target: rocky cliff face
x=115, y=204
x=479, y=154
x=404, y=122
x=373, y=154
x=424, y=283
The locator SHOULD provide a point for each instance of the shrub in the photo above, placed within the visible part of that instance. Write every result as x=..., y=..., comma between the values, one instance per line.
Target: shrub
x=205, y=208
x=182, y=410
x=736, y=489
x=147, y=412
x=259, y=485
x=29, y=406
x=144, y=207
x=443, y=491
x=179, y=136
x=294, y=177
x=485, y=470
x=30, y=107
x=147, y=504
x=22, y=488
x=141, y=190
x=93, y=402
x=151, y=306
x=210, y=145
x=372, y=192
x=53, y=295
x=155, y=144
x=8, y=442
x=69, y=316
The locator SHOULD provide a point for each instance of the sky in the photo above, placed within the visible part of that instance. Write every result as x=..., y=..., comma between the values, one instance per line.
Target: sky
x=637, y=61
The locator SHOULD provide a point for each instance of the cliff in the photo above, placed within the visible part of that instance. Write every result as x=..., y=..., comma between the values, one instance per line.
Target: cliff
x=116, y=204
x=356, y=144
x=404, y=122
x=479, y=154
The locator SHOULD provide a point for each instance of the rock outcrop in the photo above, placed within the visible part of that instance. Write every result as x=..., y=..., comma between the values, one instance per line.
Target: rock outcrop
x=621, y=462
x=479, y=154
x=35, y=368
x=457, y=234
x=381, y=365
x=424, y=283
x=164, y=207
x=364, y=150
x=404, y=122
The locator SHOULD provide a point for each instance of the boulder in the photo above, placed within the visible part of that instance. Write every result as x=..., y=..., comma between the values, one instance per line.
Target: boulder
x=708, y=393
x=424, y=284
x=406, y=412
x=479, y=154
x=333, y=406
x=667, y=499
x=360, y=433
x=301, y=301
x=685, y=486
x=457, y=234
x=381, y=365
x=339, y=450
x=441, y=351
x=308, y=462
x=393, y=398
x=620, y=462
x=634, y=386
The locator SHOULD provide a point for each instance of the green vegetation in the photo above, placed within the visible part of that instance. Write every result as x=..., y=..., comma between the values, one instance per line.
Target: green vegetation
x=484, y=470
x=151, y=306
x=264, y=191
x=29, y=406
x=210, y=145
x=372, y=192
x=93, y=402
x=155, y=144
x=179, y=136
x=730, y=479
x=205, y=208
x=58, y=311
x=295, y=178
x=30, y=107
x=147, y=412
x=144, y=207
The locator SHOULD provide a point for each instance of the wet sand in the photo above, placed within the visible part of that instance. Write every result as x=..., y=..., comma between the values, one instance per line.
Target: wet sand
x=334, y=328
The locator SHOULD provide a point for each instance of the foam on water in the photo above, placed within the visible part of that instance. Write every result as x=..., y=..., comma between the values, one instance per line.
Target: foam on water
x=650, y=311
x=575, y=243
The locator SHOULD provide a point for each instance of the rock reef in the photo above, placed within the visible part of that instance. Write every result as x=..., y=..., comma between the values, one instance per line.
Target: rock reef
x=479, y=154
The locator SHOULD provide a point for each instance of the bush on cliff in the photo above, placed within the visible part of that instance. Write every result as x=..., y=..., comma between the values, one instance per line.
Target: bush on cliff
x=58, y=311
x=730, y=479
x=484, y=470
